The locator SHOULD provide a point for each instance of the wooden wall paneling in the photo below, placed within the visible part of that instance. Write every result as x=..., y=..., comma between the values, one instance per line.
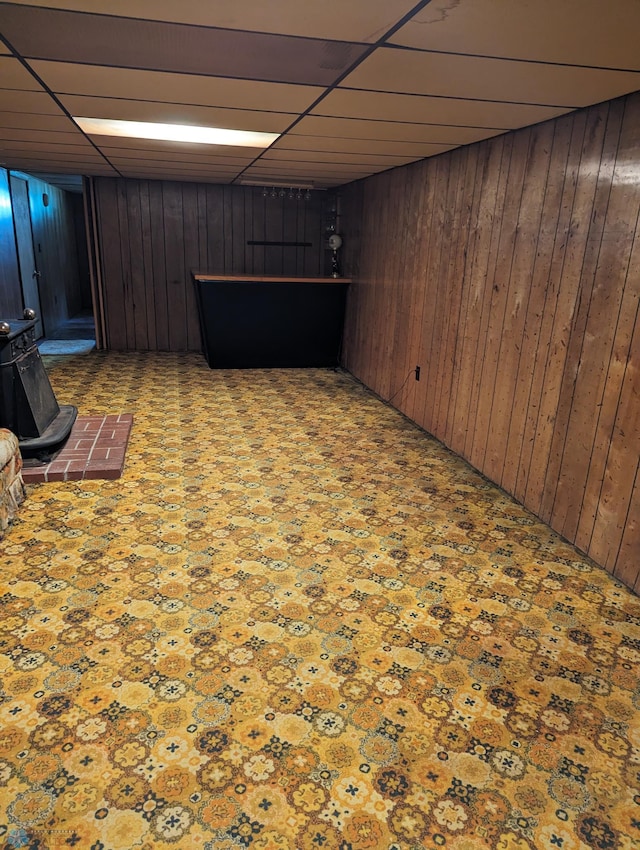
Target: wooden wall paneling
x=311, y=222
x=446, y=188
x=249, y=231
x=95, y=280
x=617, y=445
x=478, y=253
x=483, y=273
x=299, y=231
x=298, y=253
x=614, y=308
x=386, y=293
x=498, y=379
x=125, y=260
x=137, y=310
x=203, y=227
x=430, y=317
x=555, y=216
x=616, y=494
x=148, y=294
x=413, y=192
x=351, y=211
x=167, y=229
x=56, y=253
x=418, y=202
x=290, y=234
x=160, y=291
x=351, y=201
x=360, y=359
x=273, y=213
x=570, y=316
x=404, y=372
x=420, y=316
x=566, y=262
x=373, y=211
x=227, y=227
x=626, y=568
x=574, y=424
x=510, y=408
x=215, y=230
x=191, y=262
x=528, y=267
x=390, y=377
x=374, y=283
x=11, y=305
x=495, y=296
x=457, y=406
x=445, y=315
x=173, y=208
x=259, y=224
x=456, y=274
x=366, y=286
x=111, y=263
x=237, y=195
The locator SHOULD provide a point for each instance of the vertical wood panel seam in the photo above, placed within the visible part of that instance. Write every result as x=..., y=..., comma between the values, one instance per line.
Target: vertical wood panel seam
x=590, y=297
x=555, y=307
x=490, y=278
x=615, y=418
x=509, y=278
x=528, y=298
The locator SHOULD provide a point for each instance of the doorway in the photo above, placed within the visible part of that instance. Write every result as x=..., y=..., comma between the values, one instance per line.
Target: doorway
x=29, y=273
x=51, y=238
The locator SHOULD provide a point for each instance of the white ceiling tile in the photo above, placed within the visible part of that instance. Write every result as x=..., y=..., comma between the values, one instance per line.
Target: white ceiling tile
x=354, y=128
x=33, y=121
x=133, y=84
x=13, y=75
x=446, y=75
x=357, y=20
x=364, y=146
x=570, y=32
x=388, y=160
x=433, y=110
x=35, y=102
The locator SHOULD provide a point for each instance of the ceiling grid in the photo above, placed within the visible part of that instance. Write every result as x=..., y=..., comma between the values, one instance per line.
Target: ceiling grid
x=353, y=87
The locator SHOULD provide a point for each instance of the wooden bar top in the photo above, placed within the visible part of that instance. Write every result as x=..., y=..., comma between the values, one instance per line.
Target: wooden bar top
x=254, y=278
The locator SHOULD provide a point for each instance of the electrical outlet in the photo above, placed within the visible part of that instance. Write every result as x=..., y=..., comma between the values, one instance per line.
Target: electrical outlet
x=417, y=373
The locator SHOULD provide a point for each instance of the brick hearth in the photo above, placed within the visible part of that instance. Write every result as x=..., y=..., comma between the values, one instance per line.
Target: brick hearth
x=95, y=449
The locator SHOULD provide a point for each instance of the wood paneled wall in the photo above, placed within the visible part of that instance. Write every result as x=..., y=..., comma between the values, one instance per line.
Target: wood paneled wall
x=11, y=305
x=154, y=233
x=56, y=252
x=509, y=271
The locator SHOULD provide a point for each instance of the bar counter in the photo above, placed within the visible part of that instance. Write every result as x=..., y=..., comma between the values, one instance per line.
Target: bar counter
x=261, y=321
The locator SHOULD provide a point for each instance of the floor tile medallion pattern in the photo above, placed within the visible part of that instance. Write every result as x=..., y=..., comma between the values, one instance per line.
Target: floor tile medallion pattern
x=298, y=623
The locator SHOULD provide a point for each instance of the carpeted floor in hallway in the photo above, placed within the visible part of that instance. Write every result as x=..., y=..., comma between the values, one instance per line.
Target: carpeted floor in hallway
x=298, y=623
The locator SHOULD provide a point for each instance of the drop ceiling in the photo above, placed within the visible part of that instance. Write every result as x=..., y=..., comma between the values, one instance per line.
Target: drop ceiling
x=354, y=87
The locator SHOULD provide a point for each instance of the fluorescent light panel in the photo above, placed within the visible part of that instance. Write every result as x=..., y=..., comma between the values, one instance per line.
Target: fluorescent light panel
x=276, y=184
x=175, y=133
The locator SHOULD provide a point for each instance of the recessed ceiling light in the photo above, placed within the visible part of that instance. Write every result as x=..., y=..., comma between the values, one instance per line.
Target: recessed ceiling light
x=176, y=132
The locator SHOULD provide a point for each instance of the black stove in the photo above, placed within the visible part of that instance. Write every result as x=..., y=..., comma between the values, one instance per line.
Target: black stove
x=28, y=406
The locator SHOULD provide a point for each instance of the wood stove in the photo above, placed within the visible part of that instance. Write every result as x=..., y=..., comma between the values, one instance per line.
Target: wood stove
x=28, y=406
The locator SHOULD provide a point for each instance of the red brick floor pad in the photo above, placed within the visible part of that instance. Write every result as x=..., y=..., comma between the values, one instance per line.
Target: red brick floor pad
x=95, y=449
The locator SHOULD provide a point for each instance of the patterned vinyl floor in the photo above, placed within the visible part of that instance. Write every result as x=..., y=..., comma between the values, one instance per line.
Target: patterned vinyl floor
x=298, y=623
